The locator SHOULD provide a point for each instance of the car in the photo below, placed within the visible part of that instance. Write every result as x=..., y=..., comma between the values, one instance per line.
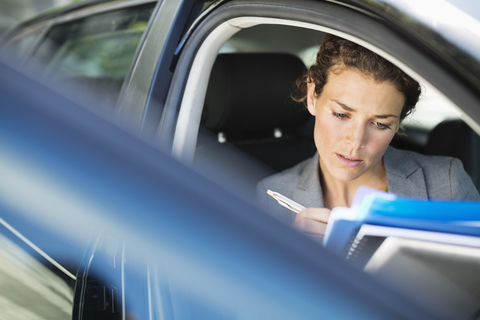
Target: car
x=209, y=82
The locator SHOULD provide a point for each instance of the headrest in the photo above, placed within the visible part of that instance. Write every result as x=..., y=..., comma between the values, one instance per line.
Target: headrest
x=453, y=137
x=251, y=93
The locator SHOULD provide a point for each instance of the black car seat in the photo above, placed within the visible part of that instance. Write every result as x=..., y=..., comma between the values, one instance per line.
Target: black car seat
x=249, y=104
x=251, y=127
x=453, y=137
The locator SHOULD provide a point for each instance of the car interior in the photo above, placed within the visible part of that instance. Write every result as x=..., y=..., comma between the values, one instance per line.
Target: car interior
x=250, y=110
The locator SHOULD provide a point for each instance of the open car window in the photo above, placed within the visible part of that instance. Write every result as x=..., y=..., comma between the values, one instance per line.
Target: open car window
x=249, y=122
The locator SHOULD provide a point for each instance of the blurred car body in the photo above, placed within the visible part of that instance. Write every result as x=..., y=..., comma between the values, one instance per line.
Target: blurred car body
x=210, y=84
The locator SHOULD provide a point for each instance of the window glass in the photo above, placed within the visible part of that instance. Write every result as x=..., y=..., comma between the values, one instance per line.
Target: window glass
x=432, y=108
x=92, y=56
x=18, y=48
x=303, y=43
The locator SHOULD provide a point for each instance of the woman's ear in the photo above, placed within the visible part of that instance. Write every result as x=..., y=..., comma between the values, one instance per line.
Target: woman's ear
x=311, y=98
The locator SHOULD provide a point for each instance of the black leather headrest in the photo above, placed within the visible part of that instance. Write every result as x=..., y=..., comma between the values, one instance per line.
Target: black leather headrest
x=454, y=138
x=252, y=93
x=451, y=137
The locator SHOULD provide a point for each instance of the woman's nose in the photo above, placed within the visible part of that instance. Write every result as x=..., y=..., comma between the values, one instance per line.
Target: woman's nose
x=357, y=136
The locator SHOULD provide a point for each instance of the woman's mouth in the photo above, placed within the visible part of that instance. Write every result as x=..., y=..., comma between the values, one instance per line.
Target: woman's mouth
x=348, y=162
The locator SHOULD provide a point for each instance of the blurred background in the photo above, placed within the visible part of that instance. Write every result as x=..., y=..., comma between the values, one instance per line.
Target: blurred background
x=14, y=11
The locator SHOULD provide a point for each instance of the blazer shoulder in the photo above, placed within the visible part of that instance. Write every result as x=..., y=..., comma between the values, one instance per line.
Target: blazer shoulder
x=285, y=181
x=431, y=162
x=445, y=177
x=404, y=162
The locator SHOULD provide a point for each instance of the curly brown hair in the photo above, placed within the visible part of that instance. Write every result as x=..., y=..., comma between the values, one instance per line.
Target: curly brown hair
x=338, y=52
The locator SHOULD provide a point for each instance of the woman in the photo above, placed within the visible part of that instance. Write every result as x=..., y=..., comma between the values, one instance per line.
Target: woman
x=359, y=101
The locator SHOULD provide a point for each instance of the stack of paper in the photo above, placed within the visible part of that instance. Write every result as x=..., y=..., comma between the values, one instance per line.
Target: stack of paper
x=428, y=249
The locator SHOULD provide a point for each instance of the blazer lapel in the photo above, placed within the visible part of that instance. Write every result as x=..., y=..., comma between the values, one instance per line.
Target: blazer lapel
x=308, y=191
x=404, y=176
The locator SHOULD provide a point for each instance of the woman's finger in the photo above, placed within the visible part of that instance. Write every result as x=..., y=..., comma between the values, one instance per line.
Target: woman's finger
x=310, y=226
x=317, y=214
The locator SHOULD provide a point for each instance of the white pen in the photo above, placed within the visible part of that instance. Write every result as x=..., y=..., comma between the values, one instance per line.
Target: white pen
x=286, y=202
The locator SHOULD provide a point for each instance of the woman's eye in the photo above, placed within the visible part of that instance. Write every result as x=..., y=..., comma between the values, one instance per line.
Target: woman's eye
x=381, y=126
x=340, y=115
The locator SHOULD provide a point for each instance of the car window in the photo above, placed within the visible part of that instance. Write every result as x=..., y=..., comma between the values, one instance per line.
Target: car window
x=431, y=110
x=301, y=42
x=281, y=149
x=19, y=47
x=236, y=121
x=92, y=56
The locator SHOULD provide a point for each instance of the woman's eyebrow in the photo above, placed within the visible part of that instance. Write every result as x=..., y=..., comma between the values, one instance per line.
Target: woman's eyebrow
x=347, y=108
x=385, y=116
x=344, y=106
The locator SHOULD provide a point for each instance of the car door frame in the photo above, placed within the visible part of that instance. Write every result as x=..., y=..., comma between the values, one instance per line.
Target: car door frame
x=145, y=89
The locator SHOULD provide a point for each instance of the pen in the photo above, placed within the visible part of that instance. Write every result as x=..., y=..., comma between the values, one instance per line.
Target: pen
x=286, y=202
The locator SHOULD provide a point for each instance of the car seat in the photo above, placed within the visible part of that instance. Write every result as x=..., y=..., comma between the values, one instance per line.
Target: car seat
x=453, y=137
x=251, y=127
x=249, y=104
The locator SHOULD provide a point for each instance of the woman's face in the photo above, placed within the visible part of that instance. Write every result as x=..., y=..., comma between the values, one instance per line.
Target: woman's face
x=355, y=120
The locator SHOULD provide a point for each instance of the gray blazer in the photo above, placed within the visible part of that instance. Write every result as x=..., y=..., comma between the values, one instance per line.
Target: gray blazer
x=409, y=174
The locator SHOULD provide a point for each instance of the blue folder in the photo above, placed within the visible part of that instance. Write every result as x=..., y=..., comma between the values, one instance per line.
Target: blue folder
x=375, y=207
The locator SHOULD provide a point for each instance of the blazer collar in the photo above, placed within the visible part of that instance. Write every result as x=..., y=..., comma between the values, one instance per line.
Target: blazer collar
x=404, y=176
x=309, y=190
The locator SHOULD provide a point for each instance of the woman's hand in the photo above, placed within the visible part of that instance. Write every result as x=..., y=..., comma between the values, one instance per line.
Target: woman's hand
x=312, y=221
